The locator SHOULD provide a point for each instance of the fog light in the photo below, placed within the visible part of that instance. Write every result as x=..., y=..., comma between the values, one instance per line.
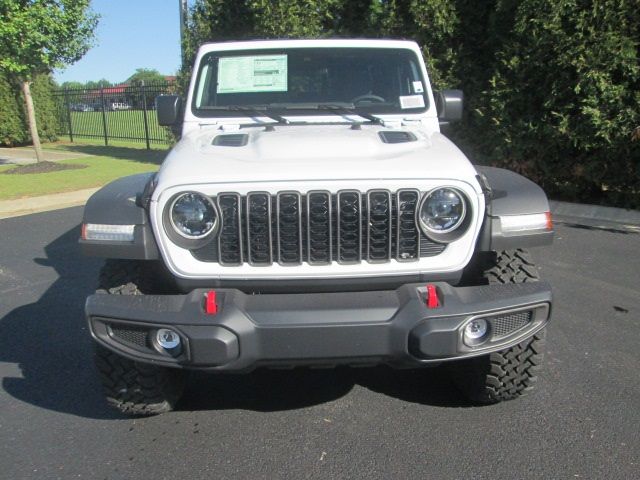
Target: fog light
x=475, y=331
x=167, y=339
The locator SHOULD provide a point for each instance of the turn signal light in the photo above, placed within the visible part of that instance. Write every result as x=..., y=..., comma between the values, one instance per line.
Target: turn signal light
x=549, y=220
x=108, y=233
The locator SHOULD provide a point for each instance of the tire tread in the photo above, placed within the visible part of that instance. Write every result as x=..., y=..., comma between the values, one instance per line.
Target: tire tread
x=512, y=372
x=135, y=388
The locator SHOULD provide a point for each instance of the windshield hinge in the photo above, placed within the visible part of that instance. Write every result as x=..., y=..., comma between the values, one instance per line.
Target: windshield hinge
x=392, y=123
x=208, y=124
x=411, y=121
x=230, y=127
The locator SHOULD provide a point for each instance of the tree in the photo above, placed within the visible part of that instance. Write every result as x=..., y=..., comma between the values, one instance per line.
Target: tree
x=102, y=83
x=139, y=97
x=561, y=97
x=146, y=75
x=72, y=85
x=214, y=20
x=37, y=36
x=13, y=121
x=11, y=115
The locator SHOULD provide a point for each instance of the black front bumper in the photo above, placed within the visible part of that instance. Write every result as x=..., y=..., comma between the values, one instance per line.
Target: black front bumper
x=322, y=329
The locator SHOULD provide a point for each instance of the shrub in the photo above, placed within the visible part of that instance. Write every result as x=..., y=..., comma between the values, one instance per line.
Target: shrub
x=45, y=106
x=12, y=121
x=13, y=124
x=562, y=97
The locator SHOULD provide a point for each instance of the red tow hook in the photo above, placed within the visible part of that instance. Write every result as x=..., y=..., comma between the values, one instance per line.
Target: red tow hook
x=432, y=297
x=210, y=305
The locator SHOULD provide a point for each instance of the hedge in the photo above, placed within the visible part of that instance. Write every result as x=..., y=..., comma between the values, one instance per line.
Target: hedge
x=14, y=129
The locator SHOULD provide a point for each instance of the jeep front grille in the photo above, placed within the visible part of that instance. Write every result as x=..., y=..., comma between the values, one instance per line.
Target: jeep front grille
x=318, y=228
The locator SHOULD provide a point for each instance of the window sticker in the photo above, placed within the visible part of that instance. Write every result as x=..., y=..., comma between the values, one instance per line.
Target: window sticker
x=411, y=101
x=263, y=73
x=417, y=87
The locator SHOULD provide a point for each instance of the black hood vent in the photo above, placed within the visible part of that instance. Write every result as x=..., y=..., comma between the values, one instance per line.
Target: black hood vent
x=231, y=140
x=397, y=136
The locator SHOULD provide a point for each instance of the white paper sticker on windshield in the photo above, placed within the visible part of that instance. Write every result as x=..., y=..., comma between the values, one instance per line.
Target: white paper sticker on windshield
x=417, y=87
x=263, y=73
x=412, y=101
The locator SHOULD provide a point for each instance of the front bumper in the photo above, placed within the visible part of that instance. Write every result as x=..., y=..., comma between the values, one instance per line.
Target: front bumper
x=323, y=329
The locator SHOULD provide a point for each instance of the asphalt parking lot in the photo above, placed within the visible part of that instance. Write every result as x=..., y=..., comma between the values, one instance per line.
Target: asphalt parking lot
x=582, y=422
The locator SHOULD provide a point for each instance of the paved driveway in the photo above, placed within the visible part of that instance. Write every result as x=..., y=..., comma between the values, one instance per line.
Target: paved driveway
x=583, y=421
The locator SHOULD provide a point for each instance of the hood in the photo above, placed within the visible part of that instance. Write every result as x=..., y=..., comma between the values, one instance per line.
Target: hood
x=311, y=152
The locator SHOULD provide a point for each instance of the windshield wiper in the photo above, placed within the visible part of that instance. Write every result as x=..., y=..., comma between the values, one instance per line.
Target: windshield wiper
x=350, y=110
x=344, y=108
x=258, y=111
x=267, y=110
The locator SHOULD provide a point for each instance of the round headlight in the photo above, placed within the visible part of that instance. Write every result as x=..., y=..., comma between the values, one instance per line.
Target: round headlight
x=441, y=211
x=193, y=215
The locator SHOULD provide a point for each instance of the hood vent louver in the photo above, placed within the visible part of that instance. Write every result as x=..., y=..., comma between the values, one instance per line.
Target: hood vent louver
x=231, y=140
x=397, y=136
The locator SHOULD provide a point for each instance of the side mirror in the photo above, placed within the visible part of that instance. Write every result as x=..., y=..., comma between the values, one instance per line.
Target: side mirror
x=449, y=105
x=168, y=109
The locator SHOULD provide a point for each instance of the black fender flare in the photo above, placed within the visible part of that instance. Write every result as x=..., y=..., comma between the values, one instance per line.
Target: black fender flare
x=509, y=193
x=122, y=202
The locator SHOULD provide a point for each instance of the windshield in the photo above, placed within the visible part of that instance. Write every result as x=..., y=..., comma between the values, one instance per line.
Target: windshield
x=310, y=81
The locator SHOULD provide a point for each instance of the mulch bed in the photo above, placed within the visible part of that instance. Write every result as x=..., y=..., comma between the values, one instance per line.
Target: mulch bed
x=41, y=167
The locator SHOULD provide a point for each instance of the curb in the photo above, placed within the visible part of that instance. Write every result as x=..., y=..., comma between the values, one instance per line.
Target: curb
x=595, y=215
x=44, y=203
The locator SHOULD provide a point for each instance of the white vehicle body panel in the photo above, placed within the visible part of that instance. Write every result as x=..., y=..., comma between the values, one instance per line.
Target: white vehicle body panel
x=326, y=154
x=313, y=152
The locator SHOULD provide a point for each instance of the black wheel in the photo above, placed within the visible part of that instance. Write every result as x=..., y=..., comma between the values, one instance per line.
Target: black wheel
x=509, y=373
x=136, y=388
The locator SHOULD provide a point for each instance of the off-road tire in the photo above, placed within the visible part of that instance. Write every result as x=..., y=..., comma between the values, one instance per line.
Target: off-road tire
x=510, y=266
x=509, y=373
x=135, y=388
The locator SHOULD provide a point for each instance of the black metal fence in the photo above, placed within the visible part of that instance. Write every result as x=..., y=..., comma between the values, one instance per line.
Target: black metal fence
x=121, y=112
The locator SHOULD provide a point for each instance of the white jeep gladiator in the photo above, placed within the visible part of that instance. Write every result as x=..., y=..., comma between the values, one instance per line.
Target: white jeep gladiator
x=312, y=214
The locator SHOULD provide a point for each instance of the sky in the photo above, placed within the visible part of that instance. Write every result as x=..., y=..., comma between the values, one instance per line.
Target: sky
x=131, y=34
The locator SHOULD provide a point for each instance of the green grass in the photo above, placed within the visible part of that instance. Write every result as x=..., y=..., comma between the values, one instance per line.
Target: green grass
x=100, y=170
x=117, y=149
x=122, y=124
x=65, y=144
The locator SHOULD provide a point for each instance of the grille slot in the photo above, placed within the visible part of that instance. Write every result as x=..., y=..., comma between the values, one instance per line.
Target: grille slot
x=408, y=240
x=504, y=325
x=289, y=228
x=133, y=335
x=230, y=239
x=318, y=228
x=349, y=226
x=379, y=230
x=259, y=244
